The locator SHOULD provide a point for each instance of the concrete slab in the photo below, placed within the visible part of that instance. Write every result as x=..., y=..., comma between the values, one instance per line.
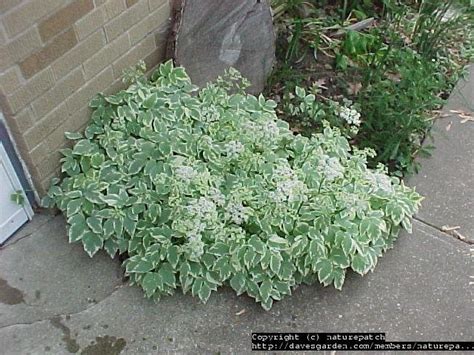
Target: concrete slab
x=419, y=291
x=447, y=178
x=42, y=275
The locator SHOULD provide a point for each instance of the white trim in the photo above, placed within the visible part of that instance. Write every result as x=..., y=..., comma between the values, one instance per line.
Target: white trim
x=23, y=164
x=15, y=181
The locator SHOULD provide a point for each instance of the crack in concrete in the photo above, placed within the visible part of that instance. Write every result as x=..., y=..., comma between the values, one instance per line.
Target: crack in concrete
x=55, y=316
x=467, y=241
x=14, y=241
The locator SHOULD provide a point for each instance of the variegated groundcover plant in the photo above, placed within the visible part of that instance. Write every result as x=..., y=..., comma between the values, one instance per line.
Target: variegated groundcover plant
x=205, y=187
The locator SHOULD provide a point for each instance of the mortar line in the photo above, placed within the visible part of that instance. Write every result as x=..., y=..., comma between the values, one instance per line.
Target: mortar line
x=466, y=241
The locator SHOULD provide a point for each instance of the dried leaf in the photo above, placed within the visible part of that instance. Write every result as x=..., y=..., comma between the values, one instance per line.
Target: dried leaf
x=239, y=313
x=448, y=127
x=447, y=228
x=459, y=235
x=354, y=88
x=395, y=77
x=320, y=83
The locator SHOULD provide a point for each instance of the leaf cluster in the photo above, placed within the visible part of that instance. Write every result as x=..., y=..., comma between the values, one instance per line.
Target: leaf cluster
x=204, y=188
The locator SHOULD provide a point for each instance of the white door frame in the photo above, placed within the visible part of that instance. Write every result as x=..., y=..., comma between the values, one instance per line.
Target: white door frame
x=10, y=171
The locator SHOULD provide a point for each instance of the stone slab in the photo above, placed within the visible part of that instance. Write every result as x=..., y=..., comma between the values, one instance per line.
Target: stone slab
x=446, y=179
x=42, y=275
x=419, y=291
x=209, y=37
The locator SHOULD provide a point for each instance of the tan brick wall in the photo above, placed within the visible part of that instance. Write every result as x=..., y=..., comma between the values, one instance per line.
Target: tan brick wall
x=55, y=55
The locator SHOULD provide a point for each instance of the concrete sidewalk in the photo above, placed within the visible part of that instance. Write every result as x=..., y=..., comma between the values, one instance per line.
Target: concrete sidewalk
x=55, y=300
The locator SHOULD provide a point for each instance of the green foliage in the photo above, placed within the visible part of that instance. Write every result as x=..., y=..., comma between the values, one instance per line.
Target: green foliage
x=203, y=188
x=394, y=72
x=18, y=197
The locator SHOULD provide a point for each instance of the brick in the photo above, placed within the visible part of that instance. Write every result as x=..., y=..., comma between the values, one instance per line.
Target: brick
x=45, y=126
x=76, y=123
x=91, y=22
x=134, y=55
x=126, y=20
x=6, y=5
x=46, y=181
x=154, y=4
x=80, y=119
x=106, y=56
x=130, y=3
x=19, y=123
x=81, y=98
x=42, y=186
x=115, y=87
x=49, y=165
x=64, y=18
x=158, y=55
x=114, y=8
x=154, y=58
x=3, y=36
x=78, y=54
x=28, y=13
x=60, y=92
x=10, y=80
x=24, y=45
x=20, y=145
x=5, y=60
x=149, y=24
x=24, y=120
x=39, y=153
x=31, y=90
x=55, y=49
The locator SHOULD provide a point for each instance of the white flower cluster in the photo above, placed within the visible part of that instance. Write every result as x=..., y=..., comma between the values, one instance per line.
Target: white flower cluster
x=270, y=129
x=195, y=246
x=210, y=114
x=216, y=196
x=237, y=213
x=350, y=115
x=288, y=187
x=203, y=208
x=234, y=148
x=380, y=182
x=186, y=173
x=331, y=168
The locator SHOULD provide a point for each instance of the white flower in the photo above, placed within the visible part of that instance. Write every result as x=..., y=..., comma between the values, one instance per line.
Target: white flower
x=216, y=196
x=185, y=172
x=283, y=172
x=234, y=148
x=195, y=246
x=331, y=168
x=288, y=187
x=237, y=212
x=380, y=182
x=210, y=114
x=202, y=208
x=350, y=115
x=271, y=129
x=291, y=190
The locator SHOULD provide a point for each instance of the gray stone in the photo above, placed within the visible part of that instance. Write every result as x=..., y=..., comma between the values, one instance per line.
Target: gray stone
x=42, y=275
x=446, y=178
x=210, y=36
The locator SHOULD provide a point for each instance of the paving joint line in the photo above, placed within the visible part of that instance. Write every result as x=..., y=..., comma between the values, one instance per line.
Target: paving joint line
x=13, y=242
x=63, y=314
x=467, y=241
